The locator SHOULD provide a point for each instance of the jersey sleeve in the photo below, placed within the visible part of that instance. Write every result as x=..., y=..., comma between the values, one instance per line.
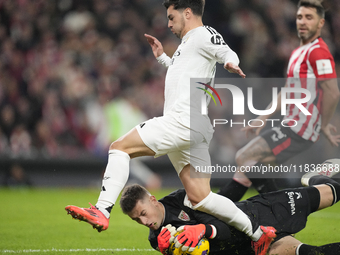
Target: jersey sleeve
x=164, y=59
x=212, y=45
x=174, y=203
x=153, y=239
x=322, y=63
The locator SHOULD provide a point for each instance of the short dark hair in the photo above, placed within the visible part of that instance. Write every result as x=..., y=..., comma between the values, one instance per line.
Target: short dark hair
x=197, y=6
x=131, y=195
x=317, y=4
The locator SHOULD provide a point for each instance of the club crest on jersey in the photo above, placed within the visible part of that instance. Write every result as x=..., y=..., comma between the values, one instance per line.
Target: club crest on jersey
x=176, y=54
x=183, y=216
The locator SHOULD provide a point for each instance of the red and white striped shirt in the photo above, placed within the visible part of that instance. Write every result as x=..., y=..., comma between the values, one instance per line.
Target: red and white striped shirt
x=308, y=65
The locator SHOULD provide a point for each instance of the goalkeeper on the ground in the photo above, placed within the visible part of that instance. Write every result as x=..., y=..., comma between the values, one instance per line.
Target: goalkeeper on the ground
x=286, y=210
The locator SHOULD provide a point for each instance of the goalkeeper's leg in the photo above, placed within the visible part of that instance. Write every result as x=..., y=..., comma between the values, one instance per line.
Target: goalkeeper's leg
x=291, y=246
x=328, y=188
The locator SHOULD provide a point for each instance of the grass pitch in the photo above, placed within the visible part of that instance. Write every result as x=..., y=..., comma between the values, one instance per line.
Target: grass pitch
x=33, y=221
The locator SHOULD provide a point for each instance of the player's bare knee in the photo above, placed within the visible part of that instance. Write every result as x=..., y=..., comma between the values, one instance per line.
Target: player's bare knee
x=196, y=192
x=196, y=197
x=326, y=196
x=116, y=145
x=121, y=146
x=285, y=246
x=197, y=188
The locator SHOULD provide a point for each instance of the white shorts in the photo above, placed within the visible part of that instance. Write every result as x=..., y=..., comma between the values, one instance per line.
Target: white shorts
x=165, y=135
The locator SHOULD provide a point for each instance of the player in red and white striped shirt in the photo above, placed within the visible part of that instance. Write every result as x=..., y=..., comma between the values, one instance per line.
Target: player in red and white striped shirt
x=311, y=66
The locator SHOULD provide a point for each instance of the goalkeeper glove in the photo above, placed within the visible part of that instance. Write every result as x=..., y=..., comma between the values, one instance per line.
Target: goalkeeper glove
x=190, y=236
x=165, y=238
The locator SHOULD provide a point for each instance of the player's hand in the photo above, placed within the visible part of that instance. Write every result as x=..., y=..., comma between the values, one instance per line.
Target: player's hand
x=156, y=45
x=333, y=139
x=165, y=238
x=255, y=128
x=251, y=130
x=190, y=236
x=232, y=68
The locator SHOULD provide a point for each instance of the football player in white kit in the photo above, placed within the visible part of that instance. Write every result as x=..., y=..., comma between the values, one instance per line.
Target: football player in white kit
x=186, y=145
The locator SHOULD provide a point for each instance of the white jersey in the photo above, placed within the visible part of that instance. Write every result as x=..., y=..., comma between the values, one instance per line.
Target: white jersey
x=195, y=57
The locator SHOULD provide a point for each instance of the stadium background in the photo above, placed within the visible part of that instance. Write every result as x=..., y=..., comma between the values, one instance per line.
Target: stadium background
x=77, y=74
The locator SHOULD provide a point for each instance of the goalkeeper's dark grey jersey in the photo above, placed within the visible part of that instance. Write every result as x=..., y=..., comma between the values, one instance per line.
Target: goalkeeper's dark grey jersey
x=177, y=214
x=285, y=210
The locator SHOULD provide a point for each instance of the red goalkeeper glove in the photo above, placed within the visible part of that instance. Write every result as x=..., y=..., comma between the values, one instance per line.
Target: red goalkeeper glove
x=165, y=238
x=190, y=236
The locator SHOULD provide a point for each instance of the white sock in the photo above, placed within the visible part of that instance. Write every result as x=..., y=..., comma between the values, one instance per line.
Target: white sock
x=114, y=180
x=225, y=210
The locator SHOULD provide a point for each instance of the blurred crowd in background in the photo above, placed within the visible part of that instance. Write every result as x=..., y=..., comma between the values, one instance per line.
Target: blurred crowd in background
x=77, y=74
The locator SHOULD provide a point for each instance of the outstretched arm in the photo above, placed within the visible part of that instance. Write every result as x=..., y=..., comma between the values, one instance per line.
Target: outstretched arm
x=232, y=68
x=158, y=51
x=156, y=45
